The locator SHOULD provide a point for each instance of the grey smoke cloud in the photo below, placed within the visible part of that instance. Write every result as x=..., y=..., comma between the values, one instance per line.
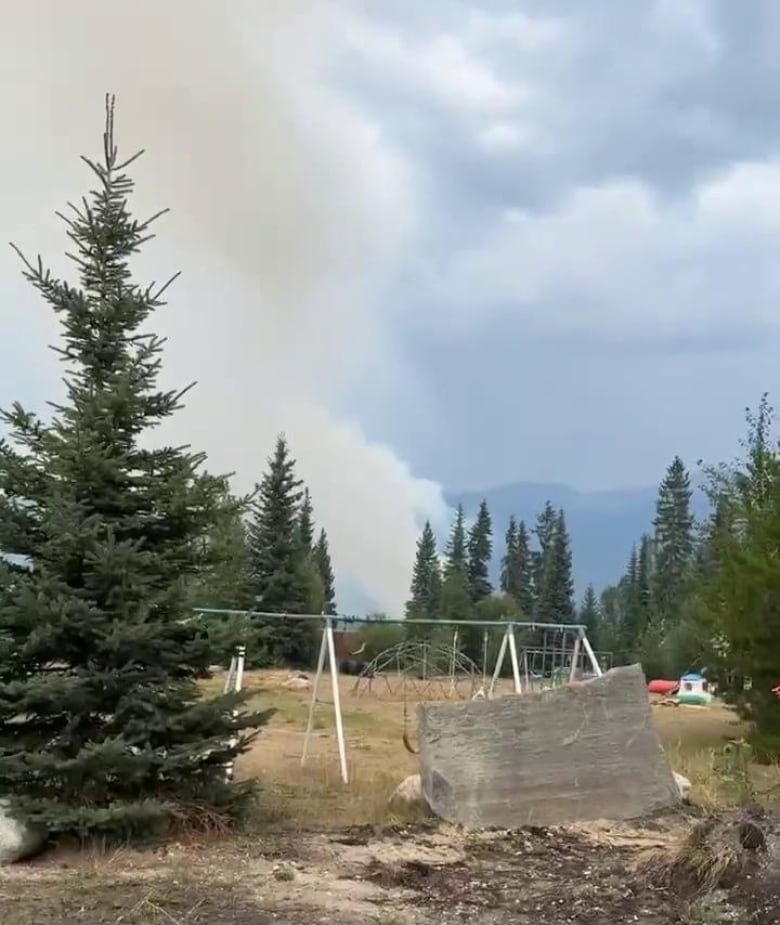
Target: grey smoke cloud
x=287, y=209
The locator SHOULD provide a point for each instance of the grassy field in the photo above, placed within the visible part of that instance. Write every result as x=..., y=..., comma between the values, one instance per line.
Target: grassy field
x=374, y=725
x=320, y=851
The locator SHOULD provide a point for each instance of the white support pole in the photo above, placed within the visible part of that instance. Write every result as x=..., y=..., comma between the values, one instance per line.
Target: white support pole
x=499, y=662
x=452, y=660
x=334, y=676
x=526, y=673
x=575, y=658
x=240, y=660
x=236, y=676
x=513, y=657
x=231, y=670
x=314, y=690
x=591, y=655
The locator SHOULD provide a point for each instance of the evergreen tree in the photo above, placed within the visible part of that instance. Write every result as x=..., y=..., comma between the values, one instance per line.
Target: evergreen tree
x=455, y=601
x=525, y=595
x=673, y=542
x=306, y=521
x=738, y=621
x=280, y=565
x=224, y=581
x=456, y=552
x=611, y=636
x=325, y=571
x=103, y=731
x=555, y=599
x=481, y=644
x=480, y=552
x=590, y=617
x=644, y=579
x=563, y=582
x=544, y=532
x=510, y=572
x=425, y=593
x=632, y=624
x=313, y=578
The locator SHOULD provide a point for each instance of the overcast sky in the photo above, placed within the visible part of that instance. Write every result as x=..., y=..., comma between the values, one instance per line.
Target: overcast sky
x=439, y=243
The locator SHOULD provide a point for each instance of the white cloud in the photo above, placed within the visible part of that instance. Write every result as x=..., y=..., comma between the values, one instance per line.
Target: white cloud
x=287, y=209
x=747, y=195
x=507, y=138
x=687, y=29
x=441, y=68
x=526, y=33
x=615, y=260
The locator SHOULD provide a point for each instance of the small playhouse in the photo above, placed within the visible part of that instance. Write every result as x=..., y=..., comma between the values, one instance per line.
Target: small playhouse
x=692, y=689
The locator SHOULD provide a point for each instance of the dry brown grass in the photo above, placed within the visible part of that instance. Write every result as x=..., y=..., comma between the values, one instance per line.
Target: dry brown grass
x=694, y=737
x=314, y=796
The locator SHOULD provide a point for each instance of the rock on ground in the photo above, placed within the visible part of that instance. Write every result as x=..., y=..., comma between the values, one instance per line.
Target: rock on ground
x=408, y=796
x=582, y=752
x=297, y=684
x=17, y=840
x=683, y=785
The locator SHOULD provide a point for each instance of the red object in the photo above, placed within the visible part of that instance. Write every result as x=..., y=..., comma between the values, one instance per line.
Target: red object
x=776, y=691
x=662, y=687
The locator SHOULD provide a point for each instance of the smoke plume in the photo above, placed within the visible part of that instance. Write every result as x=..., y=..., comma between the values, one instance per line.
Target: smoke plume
x=287, y=210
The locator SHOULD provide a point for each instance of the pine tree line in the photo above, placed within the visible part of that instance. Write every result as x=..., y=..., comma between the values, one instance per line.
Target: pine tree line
x=535, y=582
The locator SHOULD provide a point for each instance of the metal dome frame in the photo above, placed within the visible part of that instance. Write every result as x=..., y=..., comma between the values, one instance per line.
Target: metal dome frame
x=421, y=665
x=581, y=651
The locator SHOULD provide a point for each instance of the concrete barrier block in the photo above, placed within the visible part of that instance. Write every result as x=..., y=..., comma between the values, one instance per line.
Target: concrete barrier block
x=584, y=751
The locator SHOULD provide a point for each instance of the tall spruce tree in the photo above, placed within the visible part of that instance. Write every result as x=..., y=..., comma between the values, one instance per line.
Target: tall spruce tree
x=455, y=601
x=510, y=576
x=644, y=579
x=555, y=598
x=525, y=569
x=279, y=562
x=611, y=637
x=456, y=551
x=516, y=567
x=562, y=580
x=544, y=531
x=674, y=538
x=480, y=552
x=632, y=625
x=325, y=570
x=103, y=731
x=590, y=616
x=306, y=521
x=425, y=592
x=312, y=576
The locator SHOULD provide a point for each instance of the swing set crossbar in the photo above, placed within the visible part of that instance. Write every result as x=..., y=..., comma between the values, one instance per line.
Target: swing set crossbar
x=360, y=621
x=509, y=644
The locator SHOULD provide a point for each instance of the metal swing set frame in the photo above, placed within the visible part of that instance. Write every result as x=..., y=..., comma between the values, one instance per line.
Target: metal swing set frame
x=508, y=646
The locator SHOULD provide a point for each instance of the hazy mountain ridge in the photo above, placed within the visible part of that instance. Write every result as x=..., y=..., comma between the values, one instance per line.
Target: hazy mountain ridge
x=603, y=525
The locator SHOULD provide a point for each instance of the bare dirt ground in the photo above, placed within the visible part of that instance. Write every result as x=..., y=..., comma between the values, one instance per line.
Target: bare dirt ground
x=322, y=852
x=399, y=876
x=419, y=875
